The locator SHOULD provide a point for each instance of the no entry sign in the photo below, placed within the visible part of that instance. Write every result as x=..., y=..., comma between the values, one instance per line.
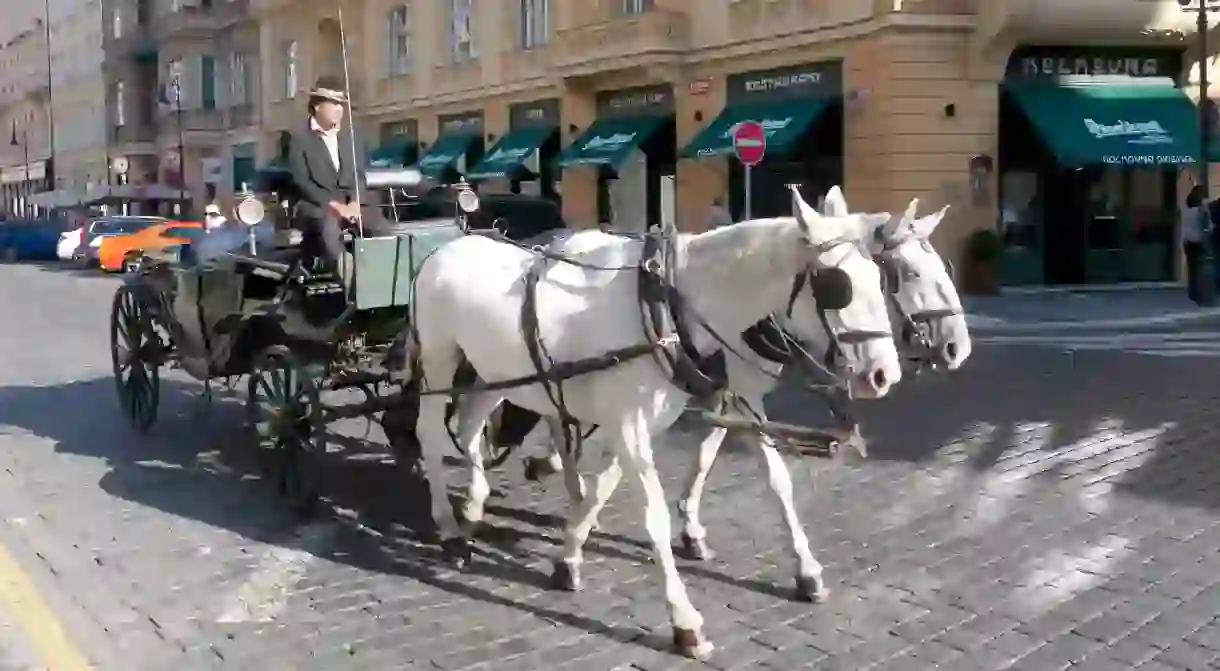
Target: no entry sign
x=749, y=142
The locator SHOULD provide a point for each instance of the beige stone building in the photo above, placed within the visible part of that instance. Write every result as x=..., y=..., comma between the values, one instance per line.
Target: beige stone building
x=182, y=79
x=893, y=99
x=24, y=123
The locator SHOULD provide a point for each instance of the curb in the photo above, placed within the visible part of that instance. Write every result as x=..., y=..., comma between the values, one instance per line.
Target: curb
x=986, y=323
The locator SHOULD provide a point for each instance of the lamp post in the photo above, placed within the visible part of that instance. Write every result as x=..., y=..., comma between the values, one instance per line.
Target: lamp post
x=25, y=181
x=1205, y=275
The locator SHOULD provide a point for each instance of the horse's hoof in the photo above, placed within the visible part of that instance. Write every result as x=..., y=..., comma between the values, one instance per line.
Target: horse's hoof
x=565, y=577
x=536, y=469
x=696, y=548
x=457, y=552
x=689, y=643
x=811, y=589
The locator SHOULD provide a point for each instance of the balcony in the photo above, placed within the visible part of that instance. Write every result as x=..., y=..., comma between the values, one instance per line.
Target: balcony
x=201, y=22
x=134, y=134
x=242, y=116
x=1007, y=22
x=611, y=41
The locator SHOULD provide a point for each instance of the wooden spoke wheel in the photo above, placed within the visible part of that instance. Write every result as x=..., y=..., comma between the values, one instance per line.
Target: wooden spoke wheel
x=135, y=351
x=284, y=411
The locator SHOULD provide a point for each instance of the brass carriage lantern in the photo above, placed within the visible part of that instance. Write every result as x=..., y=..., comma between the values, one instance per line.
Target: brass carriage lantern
x=467, y=200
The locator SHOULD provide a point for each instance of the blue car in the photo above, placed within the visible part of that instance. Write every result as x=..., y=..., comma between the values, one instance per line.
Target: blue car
x=30, y=240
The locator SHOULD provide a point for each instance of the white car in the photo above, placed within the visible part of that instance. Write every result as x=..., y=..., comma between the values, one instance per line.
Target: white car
x=69, y=242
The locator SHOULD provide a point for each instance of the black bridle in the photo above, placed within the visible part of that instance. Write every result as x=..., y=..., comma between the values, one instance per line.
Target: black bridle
x=917, y=327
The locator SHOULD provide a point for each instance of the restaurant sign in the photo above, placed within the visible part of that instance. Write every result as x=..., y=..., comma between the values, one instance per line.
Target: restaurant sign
x=811, y=80
x=537, y=113
x=470, y=122
x=1110, y=62
x=640, y=101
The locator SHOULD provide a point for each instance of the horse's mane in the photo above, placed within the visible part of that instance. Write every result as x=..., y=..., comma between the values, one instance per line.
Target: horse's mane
x=724, y=247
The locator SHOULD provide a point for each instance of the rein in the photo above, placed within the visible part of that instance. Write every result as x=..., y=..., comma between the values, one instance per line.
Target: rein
x=916, y=326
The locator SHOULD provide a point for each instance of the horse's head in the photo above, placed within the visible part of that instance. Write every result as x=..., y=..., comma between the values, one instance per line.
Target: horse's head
x=838, y=297
x=921, y=290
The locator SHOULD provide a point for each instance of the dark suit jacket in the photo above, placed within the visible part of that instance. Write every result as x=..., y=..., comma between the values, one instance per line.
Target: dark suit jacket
x=313, y=173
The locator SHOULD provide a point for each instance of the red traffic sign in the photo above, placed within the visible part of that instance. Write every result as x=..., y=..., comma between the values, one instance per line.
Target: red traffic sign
x=749, y=142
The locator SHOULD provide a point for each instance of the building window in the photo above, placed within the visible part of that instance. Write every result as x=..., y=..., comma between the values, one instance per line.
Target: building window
x=535, y=23
x=116, y=22
x=290, y=69
x=174, y=75
x=120, y=108
x=398, y=43
x=636, y=6
x=461, y=31
x=239, y=80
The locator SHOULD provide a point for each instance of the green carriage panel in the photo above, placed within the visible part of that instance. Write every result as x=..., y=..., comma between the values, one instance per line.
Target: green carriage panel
x=386, y=267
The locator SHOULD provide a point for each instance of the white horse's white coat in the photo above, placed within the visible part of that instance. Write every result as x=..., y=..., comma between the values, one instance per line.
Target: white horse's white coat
x=467, y=304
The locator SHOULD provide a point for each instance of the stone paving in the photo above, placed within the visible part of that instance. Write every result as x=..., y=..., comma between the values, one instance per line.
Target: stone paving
x=1037, y=510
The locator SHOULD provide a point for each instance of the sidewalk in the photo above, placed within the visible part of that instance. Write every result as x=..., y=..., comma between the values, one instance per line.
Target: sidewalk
x=1084, y=310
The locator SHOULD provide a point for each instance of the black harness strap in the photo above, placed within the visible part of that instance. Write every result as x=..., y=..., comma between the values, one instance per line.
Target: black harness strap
x=662, y=304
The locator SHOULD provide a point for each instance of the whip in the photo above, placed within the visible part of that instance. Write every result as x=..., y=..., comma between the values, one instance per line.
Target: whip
x=351, y=121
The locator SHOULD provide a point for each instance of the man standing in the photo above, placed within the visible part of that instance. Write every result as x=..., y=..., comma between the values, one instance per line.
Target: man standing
x=327, y=174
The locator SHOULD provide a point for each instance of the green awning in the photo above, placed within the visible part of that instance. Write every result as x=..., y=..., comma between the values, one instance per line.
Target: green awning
x=397, y=152
x=608, y=142
x=785, y=123
x=445, y=152
x=1091, y=124
x=511, y=151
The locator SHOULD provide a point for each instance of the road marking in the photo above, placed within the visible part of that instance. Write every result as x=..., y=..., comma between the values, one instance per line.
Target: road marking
x=265, y=594
x=25, y=606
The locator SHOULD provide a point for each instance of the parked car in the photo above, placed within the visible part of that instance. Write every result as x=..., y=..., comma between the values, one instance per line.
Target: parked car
x=117, y=253
x=30, y=240
x=105, y=227
x=69, y=242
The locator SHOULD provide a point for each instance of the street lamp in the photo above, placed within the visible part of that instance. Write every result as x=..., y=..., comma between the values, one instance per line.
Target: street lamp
x=1205, y=275
x=25, y=182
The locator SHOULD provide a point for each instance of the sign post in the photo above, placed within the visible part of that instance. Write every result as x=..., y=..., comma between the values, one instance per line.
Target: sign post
x=749, y=145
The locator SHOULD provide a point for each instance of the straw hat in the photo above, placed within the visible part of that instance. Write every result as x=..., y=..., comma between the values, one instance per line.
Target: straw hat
x=329, y=88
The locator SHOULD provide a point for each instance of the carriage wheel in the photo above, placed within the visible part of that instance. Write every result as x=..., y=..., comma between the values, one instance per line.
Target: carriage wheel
x=283, y=405
x=134, y=352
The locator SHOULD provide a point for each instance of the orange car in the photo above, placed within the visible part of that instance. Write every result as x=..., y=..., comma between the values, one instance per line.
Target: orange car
x=118, y=250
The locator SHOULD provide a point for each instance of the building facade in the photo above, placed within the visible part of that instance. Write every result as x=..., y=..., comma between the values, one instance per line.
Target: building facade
x=182, y=79
x=25, y=138
x=624, y=108
x=77, y=104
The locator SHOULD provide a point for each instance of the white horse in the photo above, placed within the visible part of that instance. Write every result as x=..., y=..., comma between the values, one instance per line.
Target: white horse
x=468, y=302
x=923, y=302
x=921, y=295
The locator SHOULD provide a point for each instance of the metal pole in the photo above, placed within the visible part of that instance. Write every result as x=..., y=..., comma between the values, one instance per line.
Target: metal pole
x=25, y=182
x=181, y=143
x=1206, y=279
x=46, y=10
x=749, y=192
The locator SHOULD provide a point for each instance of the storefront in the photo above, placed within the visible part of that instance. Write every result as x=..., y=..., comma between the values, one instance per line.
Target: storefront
x=801, y=109
x=1091, y=144
x=458, y=147
x=398, y=145
x=19, y=183
x=522, y=161
x=632, y=145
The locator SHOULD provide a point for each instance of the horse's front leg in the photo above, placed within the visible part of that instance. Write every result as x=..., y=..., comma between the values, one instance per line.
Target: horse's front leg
x=810, y=585
x=694, y=535
x=635, y=451
x=472, y=413
x=566, y=456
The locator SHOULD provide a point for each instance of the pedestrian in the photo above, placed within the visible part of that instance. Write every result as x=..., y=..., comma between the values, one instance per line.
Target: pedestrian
x=1192, y=239
x=718, y=215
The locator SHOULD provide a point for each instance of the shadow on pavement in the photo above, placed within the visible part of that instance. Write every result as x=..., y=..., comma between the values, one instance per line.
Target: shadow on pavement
x=1080, y=397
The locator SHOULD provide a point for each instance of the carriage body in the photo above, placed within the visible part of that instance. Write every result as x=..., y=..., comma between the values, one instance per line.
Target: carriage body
x=293, y=332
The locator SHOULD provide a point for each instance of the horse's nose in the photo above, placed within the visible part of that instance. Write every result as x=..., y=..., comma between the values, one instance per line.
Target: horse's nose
x=879, y=379
x=951, y=351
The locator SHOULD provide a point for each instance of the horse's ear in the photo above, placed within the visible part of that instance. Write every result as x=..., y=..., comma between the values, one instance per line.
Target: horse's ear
x=924, y=226
x=836, y=204
x=897, y=226
x=807, y=216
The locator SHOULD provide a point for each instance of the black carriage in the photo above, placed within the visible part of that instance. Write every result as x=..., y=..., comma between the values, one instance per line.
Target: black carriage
x=266, y=310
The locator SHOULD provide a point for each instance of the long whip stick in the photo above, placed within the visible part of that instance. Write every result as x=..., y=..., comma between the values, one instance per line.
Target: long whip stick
x=351, y=121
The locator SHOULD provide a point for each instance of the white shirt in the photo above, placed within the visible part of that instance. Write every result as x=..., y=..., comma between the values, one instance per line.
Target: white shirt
x=330, y=138
x=1189, y=225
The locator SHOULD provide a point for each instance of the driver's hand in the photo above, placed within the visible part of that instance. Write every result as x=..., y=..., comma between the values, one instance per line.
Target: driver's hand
x=337, y=209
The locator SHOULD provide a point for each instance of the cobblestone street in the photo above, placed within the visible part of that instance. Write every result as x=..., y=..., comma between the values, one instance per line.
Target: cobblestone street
x=1043, y=507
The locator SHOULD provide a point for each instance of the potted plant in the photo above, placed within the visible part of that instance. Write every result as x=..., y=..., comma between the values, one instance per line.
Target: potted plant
x=984, y=248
